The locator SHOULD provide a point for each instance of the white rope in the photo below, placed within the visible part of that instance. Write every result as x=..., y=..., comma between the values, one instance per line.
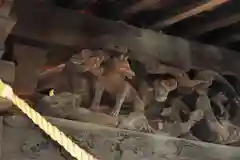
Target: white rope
x=71, y=147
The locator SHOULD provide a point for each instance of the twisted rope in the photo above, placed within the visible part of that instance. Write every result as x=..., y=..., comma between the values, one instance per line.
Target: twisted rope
x=71, y=147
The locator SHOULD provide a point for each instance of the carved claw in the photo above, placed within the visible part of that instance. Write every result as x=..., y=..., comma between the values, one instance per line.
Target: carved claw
x=178, y=128
x=195, y=117
x=115, y=112
x=221, y=130
x=189, y=136
x=178, y=106
x=185, y=127
x=136, y=121
x=232, y=132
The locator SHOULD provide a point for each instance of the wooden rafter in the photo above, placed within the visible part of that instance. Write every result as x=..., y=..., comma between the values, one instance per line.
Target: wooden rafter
x=193, y=10
x=210, y=26
x=61, y=27
x=228, y=39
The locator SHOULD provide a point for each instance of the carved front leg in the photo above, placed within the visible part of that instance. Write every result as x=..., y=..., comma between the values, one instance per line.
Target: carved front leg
x=138, y=105
x=120, y=98
x=97, y=96
x=220, y=132
x=176, y=129
x=219, y=99
x=195, y=117
x=177, y=106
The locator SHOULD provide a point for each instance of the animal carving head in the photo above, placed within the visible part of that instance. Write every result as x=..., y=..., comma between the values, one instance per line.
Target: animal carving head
x=122, y=66
x=89, y=60
x=163, y=87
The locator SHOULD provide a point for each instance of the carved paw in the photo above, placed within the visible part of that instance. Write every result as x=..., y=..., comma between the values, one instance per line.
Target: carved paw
x=95, y=108
x=114, y=113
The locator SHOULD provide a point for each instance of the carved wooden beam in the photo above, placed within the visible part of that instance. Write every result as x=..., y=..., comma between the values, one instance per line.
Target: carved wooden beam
x=57, y=26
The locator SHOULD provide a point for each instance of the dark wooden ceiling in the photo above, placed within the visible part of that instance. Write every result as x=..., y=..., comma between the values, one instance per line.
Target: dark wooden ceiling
x=209, y=21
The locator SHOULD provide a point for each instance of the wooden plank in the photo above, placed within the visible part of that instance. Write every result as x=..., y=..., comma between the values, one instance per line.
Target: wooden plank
x=107, y=144
x=149, y=146
x=189, y=12
x=52, y=25
x=143, y=5
x=23, y=141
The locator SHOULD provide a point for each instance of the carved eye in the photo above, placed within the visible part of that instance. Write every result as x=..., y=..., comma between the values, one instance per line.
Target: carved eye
x=86, y=53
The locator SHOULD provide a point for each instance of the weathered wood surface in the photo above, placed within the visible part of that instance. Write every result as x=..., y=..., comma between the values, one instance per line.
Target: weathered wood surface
x=7, y=74
x=106, y=143
x=6, y=23
x=56, y=26
x=29, y=60
x=23, y=141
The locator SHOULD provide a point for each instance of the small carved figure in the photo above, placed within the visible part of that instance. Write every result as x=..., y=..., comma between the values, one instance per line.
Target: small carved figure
x=111, y=77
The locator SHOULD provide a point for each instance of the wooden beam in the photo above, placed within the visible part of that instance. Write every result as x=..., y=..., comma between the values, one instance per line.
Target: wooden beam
x=210, y=26
x=228, y=39
x=227, y=35
x=191, y=11
x=142, y=5
x=78, y=31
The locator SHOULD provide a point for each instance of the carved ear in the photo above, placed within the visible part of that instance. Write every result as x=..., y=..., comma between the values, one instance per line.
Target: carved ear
x=126, y=57
x=170, y=84
x=122, y=57
x=86, y=54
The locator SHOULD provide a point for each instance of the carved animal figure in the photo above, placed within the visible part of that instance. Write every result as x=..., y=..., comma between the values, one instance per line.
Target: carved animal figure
x=223, y=131
x=63, y=77
x=88, y=60
x=209, y=76
x=180, y=75
x=178, y=128
x=176, y=107
x=158, y=91
x=111, y=77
